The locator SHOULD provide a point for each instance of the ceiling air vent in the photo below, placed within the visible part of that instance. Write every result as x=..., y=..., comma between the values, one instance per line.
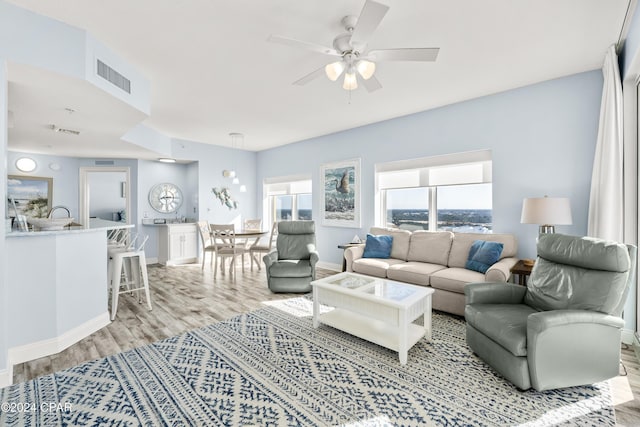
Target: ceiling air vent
x=114, y=77
x=105, y=162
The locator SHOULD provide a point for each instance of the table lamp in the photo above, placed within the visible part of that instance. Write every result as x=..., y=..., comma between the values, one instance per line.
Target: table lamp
x=546, y=212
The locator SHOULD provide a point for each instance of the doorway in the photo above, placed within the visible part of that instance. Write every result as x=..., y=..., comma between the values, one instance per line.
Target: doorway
x=118, y=181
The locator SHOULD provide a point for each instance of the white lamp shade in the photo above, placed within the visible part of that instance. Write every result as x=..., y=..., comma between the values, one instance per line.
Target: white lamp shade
x=366, y=68
x=334, y=70
x=546, y=211
x=350, y=81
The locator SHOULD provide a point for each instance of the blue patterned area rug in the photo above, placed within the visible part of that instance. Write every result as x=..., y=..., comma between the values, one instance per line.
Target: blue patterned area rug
x=270, y=367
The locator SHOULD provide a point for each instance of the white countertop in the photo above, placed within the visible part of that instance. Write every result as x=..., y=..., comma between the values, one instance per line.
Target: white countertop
x=95, y=224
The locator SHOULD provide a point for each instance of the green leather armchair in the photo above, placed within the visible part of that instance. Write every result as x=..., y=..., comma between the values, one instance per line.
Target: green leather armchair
x=292, y=266
x=564, y=328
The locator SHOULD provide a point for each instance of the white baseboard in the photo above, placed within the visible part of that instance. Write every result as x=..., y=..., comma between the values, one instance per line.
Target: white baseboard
x=627, y=336
x=5, y=378
x=152, y=260
x=329, y=266
x=50, y=346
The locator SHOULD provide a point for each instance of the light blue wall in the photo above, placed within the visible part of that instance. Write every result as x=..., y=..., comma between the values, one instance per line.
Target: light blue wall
x=542, y=139
x=3, y=244
x=212, y=160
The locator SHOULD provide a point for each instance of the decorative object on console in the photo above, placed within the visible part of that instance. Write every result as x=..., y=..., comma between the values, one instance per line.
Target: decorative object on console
x=546, y=212
x=351, y=48
x=224, y=195
x=165, y=197
x=378, y=246
x=340, y=183
x=483, y=254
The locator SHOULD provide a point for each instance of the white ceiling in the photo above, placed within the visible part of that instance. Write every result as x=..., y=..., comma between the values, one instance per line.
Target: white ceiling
x=212, y=70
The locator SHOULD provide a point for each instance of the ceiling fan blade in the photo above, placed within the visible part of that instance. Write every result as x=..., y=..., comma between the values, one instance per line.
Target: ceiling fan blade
x=311, y=76
x=303, y=45
x=427, y=54
x=371, y=84
x=369, y=19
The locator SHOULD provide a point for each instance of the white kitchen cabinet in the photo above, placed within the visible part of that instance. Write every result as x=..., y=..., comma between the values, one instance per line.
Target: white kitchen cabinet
x=178, y=244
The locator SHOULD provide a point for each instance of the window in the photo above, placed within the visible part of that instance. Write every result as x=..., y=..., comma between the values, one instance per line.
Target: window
x=452, y=192
x=407, y=208
x=288, y=198
x=464, y=208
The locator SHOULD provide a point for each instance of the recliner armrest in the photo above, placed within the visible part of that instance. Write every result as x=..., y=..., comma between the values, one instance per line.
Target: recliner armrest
x=544, y=320
x=351, y=254
x=501, y=270
x=493, y=293
x=572, y=347
x=314, y=257
x=270, y=258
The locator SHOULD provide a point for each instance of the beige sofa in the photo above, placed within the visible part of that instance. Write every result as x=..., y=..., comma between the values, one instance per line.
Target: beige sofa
x=435, y=259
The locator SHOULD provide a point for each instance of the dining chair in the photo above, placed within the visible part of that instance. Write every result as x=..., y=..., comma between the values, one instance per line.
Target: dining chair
x=250, y=224
x=258, y=248
x=207, y=242
x=224, y=241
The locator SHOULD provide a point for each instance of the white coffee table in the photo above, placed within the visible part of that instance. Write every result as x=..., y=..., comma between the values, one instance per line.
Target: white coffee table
x=378, y=310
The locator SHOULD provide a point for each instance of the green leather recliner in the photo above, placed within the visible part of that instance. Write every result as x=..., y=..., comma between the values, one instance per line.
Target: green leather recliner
x=564, y=328
x=292, y=266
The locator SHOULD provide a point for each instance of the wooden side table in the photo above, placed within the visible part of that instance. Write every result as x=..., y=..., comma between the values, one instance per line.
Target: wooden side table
x=523, y=272
x=345, y=246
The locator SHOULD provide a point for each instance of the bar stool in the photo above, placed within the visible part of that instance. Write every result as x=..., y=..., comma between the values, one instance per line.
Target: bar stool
x=128, y=269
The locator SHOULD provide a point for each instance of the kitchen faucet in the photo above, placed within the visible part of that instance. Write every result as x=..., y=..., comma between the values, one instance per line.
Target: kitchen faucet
x=59, y=207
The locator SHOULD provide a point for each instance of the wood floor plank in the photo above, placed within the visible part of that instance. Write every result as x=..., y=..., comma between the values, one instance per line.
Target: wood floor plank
x=186, y=297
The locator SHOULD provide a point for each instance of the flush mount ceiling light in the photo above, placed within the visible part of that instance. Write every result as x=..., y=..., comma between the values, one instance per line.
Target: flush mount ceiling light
x=166, y=160
x=351, y=47
x=26, y=164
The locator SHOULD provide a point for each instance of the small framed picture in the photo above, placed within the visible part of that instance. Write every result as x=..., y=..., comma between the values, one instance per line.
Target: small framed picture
x=340, y=184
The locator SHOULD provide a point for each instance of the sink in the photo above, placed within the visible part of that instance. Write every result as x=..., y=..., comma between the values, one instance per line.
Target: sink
x=47, y=224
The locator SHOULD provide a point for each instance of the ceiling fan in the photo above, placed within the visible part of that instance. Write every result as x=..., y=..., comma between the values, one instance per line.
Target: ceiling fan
x=351, y=48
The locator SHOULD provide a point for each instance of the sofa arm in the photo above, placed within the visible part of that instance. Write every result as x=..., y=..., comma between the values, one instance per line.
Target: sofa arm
x=572, y=347
x=501, y=270
x=493, y=293
x=351, y=254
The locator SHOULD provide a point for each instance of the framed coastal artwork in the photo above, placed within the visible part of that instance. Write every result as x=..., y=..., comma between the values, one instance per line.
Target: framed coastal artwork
x=29, y=196
x=340, y=184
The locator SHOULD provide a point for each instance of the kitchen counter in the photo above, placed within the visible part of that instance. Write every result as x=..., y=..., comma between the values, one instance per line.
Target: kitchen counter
x=94, y=224
x=57, y=288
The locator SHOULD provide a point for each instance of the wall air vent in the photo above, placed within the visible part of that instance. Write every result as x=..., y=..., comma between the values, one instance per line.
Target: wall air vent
x=63, y=130
x=105, y=162
x=114, y=77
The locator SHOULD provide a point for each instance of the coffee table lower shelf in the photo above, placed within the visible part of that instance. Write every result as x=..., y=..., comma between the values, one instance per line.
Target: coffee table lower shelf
x=375, y=331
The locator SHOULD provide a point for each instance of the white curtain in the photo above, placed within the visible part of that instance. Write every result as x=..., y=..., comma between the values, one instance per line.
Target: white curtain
x=606, y=204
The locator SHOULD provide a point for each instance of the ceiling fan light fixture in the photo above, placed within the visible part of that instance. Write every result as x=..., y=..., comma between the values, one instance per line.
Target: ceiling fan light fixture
x=350, y=81
x=366, y=68
x=334, y=70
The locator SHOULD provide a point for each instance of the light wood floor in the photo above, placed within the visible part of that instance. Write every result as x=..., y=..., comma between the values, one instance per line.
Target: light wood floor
x=185, y=297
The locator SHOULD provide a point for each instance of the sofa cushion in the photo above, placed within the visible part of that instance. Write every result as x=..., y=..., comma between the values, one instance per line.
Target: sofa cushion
x=453, y=279
x=374, y=266
x=378, y=246
x=400, y=246
x=506, y=324
x=482, y=255
x=462, y=243
x=430, y=246
x=413, y=272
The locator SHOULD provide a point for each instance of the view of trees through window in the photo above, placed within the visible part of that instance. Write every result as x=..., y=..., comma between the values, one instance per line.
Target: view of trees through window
x=461, y=208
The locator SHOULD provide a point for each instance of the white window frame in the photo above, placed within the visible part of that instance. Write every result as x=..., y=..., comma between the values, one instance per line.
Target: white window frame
x=419, y=171
x=285, y=186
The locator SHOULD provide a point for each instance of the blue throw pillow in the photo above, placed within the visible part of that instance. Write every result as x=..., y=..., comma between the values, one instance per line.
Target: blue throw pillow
x=377, y=246
x=483, y=255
